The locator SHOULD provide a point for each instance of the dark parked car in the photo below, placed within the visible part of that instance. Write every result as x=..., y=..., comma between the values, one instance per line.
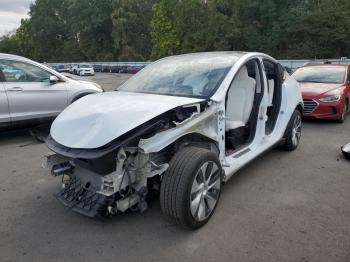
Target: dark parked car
x=115, y=69
x=123, y=69
x=61, y=68
x=106, y=68
x=97, y=68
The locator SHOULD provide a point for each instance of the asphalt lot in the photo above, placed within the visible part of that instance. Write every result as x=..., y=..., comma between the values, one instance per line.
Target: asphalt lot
x=282, y=207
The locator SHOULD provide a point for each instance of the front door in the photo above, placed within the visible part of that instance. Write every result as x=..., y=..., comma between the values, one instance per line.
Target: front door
x=243, y=106
x=30, y=93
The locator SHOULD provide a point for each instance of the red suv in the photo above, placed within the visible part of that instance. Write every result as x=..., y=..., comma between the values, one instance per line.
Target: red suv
x=326, y=90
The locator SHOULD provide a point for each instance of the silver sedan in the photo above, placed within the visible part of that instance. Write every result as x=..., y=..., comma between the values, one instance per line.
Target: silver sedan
x=33, y=93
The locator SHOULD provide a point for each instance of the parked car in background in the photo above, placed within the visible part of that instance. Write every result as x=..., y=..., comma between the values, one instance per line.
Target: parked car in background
x=83, y=70
x=134, y=69
x=123, y=69
x=114, y=69
x=71, y=68
x=31, y=93
x=57, y=67
x=326, y=90
x=61, y=68
x=106, y=68
x=97, y=68
x=180, y=128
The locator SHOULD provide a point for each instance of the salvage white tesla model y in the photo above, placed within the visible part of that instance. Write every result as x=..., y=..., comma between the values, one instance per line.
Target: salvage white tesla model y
x=181, y=127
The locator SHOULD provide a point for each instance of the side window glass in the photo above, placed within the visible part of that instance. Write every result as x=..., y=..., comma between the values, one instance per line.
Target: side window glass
x=349, y=75
x=14, y=71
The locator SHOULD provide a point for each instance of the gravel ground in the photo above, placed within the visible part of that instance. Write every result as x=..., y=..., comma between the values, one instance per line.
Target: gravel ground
x=282, y=207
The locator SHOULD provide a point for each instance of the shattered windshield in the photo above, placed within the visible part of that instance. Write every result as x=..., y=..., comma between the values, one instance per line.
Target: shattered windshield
x=196, y=75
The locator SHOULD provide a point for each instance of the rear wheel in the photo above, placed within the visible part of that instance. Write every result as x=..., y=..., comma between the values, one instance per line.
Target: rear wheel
x=293, y=132
x=191, y=187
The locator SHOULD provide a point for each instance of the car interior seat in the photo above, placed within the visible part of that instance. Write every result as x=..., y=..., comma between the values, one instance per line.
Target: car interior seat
x=240, y=101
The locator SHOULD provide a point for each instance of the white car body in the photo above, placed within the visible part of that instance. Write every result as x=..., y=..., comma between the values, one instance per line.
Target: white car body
x=97, y=122
x=24, y=101
x=83, y=70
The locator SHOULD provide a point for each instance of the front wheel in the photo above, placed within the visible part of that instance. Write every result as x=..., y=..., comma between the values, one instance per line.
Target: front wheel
x=191, y=187
x=344, y=112
x=293, y=132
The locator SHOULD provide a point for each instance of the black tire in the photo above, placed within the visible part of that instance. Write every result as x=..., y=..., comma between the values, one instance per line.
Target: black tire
x=290, y=144
x=40, y=133
x=344, y=112
x=176, y=195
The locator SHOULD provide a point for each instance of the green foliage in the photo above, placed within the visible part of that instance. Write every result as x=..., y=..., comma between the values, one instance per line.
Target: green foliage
x=91, y=28
x=49, y=28
x=165, y=39
x=24, y=39
x=130, y=30
x=9, y=44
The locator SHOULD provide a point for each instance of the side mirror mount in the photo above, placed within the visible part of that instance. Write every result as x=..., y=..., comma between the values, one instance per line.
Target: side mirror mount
x=53, y=79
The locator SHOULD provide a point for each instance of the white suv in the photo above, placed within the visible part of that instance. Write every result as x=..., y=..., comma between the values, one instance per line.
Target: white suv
x=180, y=127
x=32, y=93
x=83, y=70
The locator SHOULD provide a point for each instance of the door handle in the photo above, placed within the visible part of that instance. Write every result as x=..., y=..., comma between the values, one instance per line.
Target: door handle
x=15, y=89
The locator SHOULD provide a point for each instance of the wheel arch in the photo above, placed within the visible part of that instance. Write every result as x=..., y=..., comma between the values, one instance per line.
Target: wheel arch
x=195, y=139
x=188, y=139
x=78, y=96
x=300, y=108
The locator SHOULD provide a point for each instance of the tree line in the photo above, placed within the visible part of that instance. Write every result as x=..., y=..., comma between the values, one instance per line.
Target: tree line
x=141, y=30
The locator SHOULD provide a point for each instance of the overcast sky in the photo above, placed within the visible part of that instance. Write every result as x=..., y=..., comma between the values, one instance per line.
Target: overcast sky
x=11, y=13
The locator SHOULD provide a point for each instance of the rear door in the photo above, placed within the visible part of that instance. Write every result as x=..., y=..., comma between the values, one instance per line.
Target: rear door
x=4, y=106
x=30, y=93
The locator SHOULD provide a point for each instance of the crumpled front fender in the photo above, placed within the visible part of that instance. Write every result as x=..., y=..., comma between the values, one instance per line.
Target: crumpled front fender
x=205, y=123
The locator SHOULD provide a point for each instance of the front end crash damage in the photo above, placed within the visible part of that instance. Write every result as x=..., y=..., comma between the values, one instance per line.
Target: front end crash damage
x=122, y=174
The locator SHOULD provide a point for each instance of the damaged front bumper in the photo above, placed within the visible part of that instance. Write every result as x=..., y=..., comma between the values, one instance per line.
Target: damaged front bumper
x=83, y=200
x=92, y=194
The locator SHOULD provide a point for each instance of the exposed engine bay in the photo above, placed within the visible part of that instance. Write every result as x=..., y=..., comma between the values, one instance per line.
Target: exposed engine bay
x=121, y=174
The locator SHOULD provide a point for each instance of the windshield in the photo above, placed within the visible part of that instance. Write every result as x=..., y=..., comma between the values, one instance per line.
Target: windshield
x=195, y=75
x=85, y=66
x=320, y=74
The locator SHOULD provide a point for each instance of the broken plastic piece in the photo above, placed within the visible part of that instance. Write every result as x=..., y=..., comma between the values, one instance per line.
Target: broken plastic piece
x=346, y=151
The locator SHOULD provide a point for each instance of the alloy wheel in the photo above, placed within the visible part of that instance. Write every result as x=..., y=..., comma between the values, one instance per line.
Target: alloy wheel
x=296, y=132
x=205, y=191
